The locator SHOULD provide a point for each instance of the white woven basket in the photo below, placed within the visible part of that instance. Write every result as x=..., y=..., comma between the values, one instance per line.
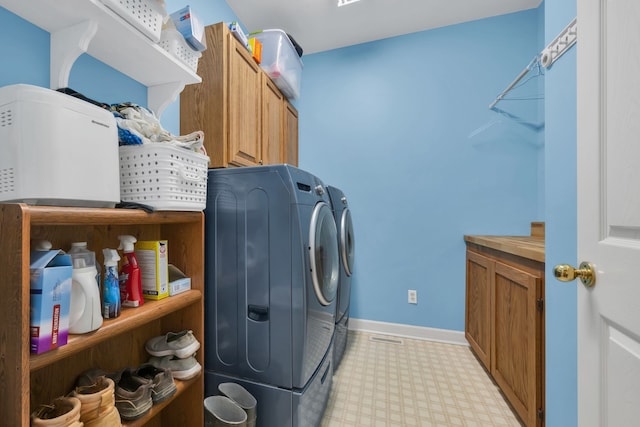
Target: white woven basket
x=164, y=177
x=145, y=15
x=173, y=42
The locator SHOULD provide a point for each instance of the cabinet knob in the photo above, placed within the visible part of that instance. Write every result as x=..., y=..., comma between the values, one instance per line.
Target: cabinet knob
x=586, y=273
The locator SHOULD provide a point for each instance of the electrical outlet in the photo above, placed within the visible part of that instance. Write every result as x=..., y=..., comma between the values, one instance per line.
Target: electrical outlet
x=413, y=296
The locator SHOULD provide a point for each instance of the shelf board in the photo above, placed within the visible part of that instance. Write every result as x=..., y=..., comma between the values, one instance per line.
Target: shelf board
x=53, y=215
x=116, y=43
x=129, y=319
x=157, y=408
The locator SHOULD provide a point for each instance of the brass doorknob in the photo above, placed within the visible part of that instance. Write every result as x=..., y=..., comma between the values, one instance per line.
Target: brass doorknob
x=586, y=273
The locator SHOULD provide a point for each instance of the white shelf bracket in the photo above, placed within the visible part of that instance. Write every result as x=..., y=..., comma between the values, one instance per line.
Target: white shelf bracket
x=66, y=46
x=560, y=44
x=160, y=96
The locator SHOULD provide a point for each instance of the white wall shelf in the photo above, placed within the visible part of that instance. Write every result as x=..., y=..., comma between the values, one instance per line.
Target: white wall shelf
x=79, y=26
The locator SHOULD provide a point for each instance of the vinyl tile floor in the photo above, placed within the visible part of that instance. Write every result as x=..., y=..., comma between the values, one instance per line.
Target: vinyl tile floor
x=386, y=381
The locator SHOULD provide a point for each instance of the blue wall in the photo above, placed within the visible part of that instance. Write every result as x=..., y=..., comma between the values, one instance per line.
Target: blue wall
x=403, y=127
x=561, y=218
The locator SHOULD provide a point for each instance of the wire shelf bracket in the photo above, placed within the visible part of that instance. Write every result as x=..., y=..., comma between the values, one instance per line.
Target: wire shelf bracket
x=563, y=41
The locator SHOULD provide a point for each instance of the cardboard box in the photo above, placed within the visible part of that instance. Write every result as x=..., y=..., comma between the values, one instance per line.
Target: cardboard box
x=256, y=49
x=236, y=30
x=190, y=27
x=178, y=281
x=50, y=282
x=153, y=260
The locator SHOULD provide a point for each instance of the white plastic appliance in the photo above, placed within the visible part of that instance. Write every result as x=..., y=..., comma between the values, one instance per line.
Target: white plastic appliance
x=56, y=149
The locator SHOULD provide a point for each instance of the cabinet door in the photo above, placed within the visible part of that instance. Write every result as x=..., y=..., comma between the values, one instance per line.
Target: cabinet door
x=272, y=122
x=290, y=134
x=516, y=362
x=478, y=306
x=245, y=106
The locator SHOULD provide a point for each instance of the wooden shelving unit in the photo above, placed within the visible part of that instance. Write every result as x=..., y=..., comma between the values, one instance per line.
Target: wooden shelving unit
x=29, y=380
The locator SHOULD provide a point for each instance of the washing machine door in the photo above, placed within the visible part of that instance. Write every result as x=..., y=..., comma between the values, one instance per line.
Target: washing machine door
x=347, y=242
x=323, y=253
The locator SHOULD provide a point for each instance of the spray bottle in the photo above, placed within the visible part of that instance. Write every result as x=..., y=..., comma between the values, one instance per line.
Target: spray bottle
x=110, y=288
x=84, y=313
x=130, y=279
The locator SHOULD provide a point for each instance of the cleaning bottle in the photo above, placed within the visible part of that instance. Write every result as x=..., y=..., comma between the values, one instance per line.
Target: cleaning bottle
x=130, y=279
x=110, y=288
x=84, y=312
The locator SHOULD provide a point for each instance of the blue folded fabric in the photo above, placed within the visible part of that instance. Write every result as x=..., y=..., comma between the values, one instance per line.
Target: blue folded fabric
x=125, y=137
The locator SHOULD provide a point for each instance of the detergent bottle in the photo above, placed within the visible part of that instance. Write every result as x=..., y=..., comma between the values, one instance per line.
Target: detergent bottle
x=110, y=288
x=130, y=279
x=84, y=312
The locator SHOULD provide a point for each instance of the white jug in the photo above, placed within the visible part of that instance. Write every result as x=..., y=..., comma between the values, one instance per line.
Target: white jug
x=84, y=314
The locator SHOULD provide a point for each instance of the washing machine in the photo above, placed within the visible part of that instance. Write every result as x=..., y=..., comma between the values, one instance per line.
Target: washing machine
x=271, y=277
x=346, y=248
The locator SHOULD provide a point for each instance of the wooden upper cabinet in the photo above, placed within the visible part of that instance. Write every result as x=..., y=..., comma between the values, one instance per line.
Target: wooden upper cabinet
x=245, y=118
x=244, y=101
x=290, y=148
x=272, y=119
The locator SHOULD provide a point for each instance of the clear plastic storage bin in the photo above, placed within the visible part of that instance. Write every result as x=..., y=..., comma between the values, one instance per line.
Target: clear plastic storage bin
x=281, y=61
x=164, y=177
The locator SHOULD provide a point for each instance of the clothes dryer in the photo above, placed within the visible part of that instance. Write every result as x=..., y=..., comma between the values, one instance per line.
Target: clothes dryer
x=346, y=247
x=271, y=272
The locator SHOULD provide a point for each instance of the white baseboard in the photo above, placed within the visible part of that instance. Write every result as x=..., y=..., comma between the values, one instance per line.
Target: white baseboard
x=408, y=331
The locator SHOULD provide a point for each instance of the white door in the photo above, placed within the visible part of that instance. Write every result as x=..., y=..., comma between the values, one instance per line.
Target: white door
x=608, y=75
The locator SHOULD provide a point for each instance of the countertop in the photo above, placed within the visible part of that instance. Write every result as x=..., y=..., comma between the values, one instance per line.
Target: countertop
x=531, y=247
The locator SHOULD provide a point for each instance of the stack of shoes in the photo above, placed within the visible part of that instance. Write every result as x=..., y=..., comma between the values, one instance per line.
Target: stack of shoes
x=136, y=389
x=133, y=395
x=63, y=412
x=175, y=351
x=97, y=403
x=162, y=380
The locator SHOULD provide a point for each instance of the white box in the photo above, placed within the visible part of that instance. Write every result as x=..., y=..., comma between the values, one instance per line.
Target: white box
x=56, y=149
x=191, y=28
x=178, y=282
x=50, y=282
x=280, y=61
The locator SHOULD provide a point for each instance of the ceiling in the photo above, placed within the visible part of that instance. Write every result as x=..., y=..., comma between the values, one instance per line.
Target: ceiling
x=319, y=25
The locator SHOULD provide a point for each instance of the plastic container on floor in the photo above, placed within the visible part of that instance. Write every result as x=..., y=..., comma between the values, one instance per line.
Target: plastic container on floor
x=220, y=411
x=241, y=397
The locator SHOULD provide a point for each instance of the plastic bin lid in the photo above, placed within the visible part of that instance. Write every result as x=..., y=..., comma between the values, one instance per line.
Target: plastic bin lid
x=294, y=45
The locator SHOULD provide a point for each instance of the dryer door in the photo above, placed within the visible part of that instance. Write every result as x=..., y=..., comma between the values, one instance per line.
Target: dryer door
x=323, y=253
x=347, y=242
